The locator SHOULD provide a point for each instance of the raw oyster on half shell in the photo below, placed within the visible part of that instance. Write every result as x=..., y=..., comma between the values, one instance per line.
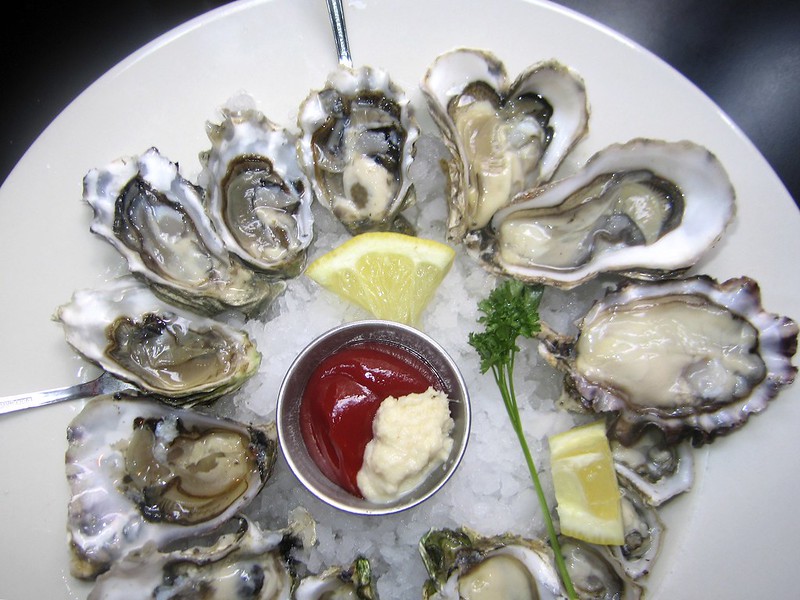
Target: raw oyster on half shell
x=647, y=208
x=355, y=582
x=503, y=136
x=657, y=470
x=165, y=351
x=595, y=572
x=156, y=220
x=357, y=144
x=692, y=357
x=143, y=473
x=643, y=530
x=460, y=563
x=257, y=195
x=248, y=564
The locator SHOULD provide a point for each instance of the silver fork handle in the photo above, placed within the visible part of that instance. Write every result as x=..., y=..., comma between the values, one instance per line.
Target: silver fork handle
x=105, y=384
x=336, y=13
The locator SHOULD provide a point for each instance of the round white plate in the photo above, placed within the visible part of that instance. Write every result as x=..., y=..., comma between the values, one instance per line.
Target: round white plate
x=732, y=536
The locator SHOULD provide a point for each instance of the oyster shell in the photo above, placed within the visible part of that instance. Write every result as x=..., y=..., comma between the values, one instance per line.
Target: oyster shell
x=504, y=137
x=179, y=356
x=596, y=574
x=643, y=530
x=647, y=208
x=353, y=583
x=458, y=561
x=357, y=144
x=657, y=470
x=252, y=564
x=690, y=356
x=141, y=472
x=157, y=221
x=258, y=196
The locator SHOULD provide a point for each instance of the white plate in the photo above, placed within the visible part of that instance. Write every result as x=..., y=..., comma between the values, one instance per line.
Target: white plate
x=732, y=536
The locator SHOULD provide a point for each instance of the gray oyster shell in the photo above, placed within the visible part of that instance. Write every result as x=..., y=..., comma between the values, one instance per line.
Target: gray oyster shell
x=143, y=473
x=692, y=357
x=647, y=208
x=596, y=574
x=249, y=564
x=503, y=136
x=156, y=220
x=258, y=197
x=355, y=582
x=458, y=560
x=657, y=470
x=357, y=144
x=179, y=356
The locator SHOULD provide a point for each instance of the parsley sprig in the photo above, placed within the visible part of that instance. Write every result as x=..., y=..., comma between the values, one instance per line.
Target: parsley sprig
x=512, y=310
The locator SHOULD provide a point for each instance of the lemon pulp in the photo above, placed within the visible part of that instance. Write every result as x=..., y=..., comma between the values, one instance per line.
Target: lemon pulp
x=391, y=275
x=586, y=487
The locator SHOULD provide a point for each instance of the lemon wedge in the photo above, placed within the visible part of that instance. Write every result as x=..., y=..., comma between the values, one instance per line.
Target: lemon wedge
x=586, y=487
x=391, y=275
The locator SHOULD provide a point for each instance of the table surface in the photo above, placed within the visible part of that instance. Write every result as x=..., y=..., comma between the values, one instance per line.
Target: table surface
x=745, y=56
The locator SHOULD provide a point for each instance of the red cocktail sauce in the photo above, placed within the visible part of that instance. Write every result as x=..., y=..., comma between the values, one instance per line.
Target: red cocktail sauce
x=341, y=399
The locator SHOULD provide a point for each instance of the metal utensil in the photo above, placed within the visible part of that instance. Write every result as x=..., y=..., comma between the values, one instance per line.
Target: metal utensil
x=105, y=384
x=339, y=27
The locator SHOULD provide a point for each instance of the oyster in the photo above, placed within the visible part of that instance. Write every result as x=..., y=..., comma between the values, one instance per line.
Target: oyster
x=504, y=137
x=643, y=530
x=690, y=356
x=358, y=136
x=258, y=196
x=251, y=564
x=657, y=470
x=176, y=355
x=595, y=574
x=353, y=583
x=141, y=472
x=460, y=562
x=157, y=221
x=647, y=208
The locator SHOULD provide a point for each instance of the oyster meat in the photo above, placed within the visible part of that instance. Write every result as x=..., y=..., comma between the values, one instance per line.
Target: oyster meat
x=463, y=565
x=141, y=472
x=596, y=574
x=157, y=221
x=174, y=354
x=503, y=136
x=692, y=357
x=657, y=470
x=647, y=208
x=357, y=144
x=248, y=564
x=643, y=530
x=352, y=583
x=258, y=196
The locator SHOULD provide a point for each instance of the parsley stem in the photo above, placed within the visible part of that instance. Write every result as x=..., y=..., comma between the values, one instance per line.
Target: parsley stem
x=510, y=311
x=504, y=377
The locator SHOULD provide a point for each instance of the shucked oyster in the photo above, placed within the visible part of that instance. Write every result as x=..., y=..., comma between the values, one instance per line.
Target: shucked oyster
x=336, y=583
x=504, y=137
x=141, y=472
x=156, y=220
x=657, y=470
x=646, y=208
x=690, y=356
x=258, y=196
x=176, y=355
x=462, y=564
x=642, y=529
x=250, y=564
x=595, y=573
x=357, y=145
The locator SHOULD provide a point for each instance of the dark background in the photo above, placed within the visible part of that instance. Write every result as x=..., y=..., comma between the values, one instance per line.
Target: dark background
x=744, y=55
